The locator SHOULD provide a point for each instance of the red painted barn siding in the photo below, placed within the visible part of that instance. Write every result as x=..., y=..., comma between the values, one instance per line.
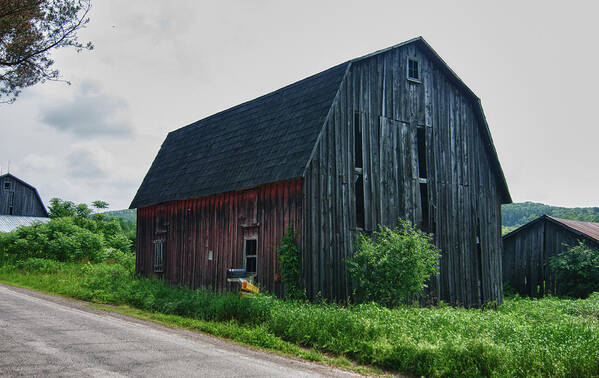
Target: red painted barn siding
x=219, y=223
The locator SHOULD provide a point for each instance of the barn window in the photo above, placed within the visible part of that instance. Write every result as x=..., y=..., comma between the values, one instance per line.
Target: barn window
x=159, y=256
x=251, y=255
x=358, y=159
x=7, y=185
x=359, y=193
x=421, y=141
x=413, y=69
x=358, y=173
x=424, y=226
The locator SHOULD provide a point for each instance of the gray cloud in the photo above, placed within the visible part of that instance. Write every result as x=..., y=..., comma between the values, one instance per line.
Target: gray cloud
x=82, y=164
x=90, y=113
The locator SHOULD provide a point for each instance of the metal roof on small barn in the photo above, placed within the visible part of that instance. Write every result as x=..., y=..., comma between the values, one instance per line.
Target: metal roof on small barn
x=265, y=140
x=587, y=229
x=9, y=223
x=590, y=229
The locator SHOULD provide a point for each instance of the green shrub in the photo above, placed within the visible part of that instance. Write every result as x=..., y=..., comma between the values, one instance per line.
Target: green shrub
x=290, y=259
x=576, y=271
x=72, y=234
x=60, y=239
x=392, y=266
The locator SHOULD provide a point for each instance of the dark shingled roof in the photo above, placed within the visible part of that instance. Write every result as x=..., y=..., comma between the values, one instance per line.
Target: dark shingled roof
x=265, y=140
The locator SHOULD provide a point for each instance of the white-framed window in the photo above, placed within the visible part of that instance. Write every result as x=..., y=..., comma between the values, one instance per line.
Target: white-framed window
x=413, y=69
x=250, y=253
x=159, y=255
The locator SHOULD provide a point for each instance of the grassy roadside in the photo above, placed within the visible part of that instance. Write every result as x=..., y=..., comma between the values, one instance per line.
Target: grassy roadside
x=255, y=337
x=547, y=337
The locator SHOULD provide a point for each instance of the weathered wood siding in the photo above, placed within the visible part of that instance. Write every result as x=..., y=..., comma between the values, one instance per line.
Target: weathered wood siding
x=464, y=194
x=219, y=223
x=22, y=198
x=526, y=256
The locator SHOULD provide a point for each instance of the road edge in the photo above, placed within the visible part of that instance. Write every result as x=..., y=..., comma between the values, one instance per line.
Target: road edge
x=274, y=355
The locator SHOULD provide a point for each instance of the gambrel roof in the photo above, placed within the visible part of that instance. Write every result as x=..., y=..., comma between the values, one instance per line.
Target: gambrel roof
x=265, y=140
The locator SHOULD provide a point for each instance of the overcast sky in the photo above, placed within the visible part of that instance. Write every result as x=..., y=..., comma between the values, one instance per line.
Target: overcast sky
x=158, y=66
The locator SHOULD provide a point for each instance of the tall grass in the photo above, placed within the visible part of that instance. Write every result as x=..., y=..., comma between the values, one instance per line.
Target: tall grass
x=523, y=337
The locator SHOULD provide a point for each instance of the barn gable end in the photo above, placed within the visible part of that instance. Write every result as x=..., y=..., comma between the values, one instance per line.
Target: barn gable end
x=19, y=198
x=425, y=155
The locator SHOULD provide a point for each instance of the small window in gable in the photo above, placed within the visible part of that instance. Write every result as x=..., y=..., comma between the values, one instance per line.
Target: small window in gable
x=413, y=69
x=6, y=185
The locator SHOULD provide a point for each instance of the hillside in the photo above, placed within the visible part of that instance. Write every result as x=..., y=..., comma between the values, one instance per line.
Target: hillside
x=517, y=214
x=129, y=215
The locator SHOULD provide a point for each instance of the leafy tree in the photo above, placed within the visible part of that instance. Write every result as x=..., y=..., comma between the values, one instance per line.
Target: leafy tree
x=29, y=31
x=392, y=266
x=576, y=271
x=100, y=204
x=59, y=208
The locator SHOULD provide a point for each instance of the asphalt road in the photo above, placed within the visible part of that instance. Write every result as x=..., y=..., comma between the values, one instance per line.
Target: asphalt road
x=46, y=336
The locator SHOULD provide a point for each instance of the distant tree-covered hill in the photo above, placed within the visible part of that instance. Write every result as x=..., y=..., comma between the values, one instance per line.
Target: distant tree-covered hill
x=125, y=214
x=517, y=214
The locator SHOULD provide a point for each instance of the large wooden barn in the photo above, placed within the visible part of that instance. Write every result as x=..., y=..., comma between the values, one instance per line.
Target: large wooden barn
x=392, y=134
x=527, y=250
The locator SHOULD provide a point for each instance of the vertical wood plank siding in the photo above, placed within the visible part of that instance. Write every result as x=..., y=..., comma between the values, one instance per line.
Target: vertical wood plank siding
x=526, y=256
x=219, y=223
x=22, y=198
x=464, y=194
